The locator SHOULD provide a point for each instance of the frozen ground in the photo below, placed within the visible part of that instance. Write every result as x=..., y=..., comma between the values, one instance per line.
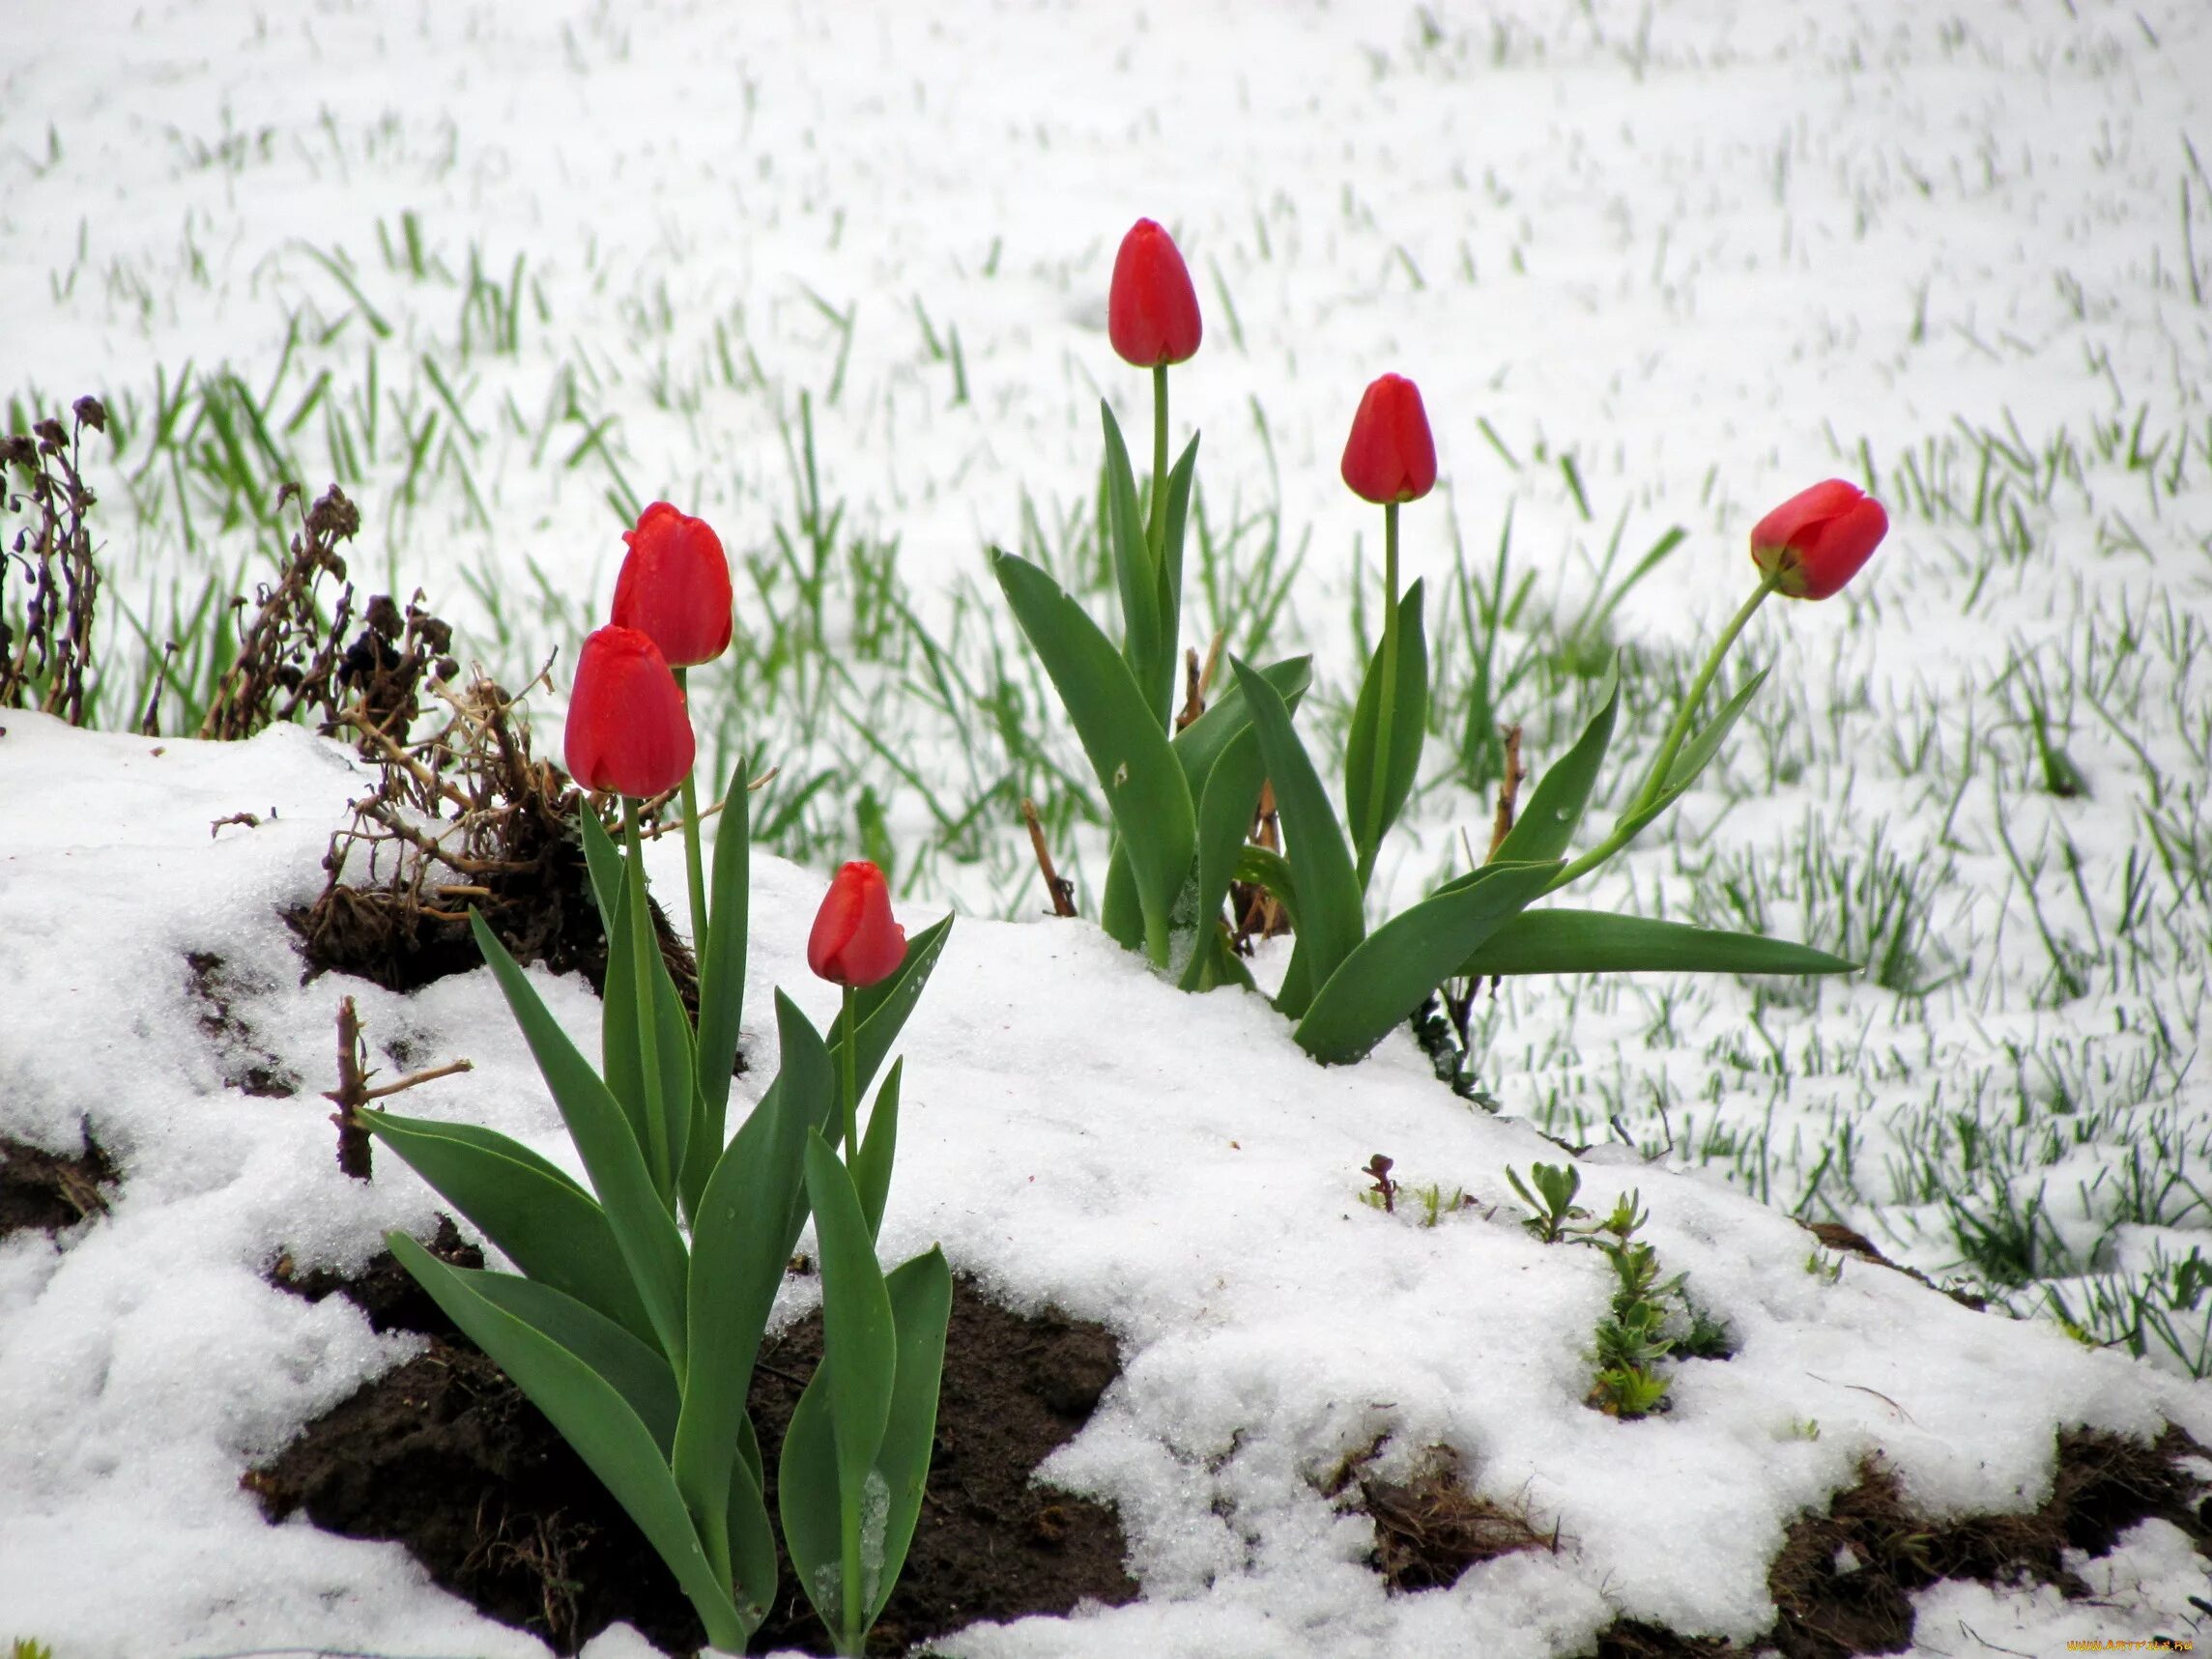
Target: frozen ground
x=505, y=270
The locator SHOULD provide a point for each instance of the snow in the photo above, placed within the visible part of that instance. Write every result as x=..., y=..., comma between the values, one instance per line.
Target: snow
x=1708, y=249
x=1200, y=1197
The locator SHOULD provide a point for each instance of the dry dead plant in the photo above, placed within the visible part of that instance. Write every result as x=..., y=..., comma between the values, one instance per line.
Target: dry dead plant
x=46, y=658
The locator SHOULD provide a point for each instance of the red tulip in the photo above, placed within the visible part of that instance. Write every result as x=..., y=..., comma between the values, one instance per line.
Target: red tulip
x=675, y=586
x=1152, y=310
x=1389, y=457
x=1815, y=542
x=628, y=730
x=854, y=942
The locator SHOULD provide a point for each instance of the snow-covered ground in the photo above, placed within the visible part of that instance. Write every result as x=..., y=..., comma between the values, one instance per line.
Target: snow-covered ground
x=507, y=269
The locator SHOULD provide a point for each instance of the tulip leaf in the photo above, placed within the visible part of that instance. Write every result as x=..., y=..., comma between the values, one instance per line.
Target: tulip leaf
x=1701, y=748
x=1385, y=978
x=1224, y=820
x=1159, y=688
x=809, y=1505
x=722, y=981
x=644, y=1232
x=1377, y=784
x=882, y=1007
x=1563, y=941
x=603, y=860
x=738, y=1256
x=1554, y=809
x=619, y=1062
x=544, y=1223
x=871, y=1168
x=1330, y=918
x=1128, y=747
x=921, y=1295
x=1199, y=744
x=1134, y=572
x=678, y=1063
x=807, y=1088
x=1121, y=913
x=594, y=1417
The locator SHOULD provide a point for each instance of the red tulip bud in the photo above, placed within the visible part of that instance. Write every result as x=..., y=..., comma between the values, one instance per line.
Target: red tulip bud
x=675, y=586
x=854, y=942
x=1814, y=542
x=1389, y=457
x=628, y=730
x=1152, y=310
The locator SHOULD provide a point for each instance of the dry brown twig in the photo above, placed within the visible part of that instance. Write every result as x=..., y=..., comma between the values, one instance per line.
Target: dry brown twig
x=352, y=1092
x=1062, y=892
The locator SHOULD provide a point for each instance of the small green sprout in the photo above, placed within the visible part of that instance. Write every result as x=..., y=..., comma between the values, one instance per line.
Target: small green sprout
x=1552, y=1201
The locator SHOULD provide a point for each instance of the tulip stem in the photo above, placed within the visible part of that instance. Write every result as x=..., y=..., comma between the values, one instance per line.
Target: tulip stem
x=694, y=866
x=1156, y=527
x=1655, y=783
x=851, y=1049
x=1386, y=696
x=643, y=949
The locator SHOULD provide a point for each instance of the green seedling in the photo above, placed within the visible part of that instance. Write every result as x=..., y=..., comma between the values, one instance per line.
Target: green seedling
x=1552, y=1201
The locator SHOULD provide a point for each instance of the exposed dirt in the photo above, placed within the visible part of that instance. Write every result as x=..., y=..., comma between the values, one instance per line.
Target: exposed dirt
x=446, y=1455
x=247, y=1067
x=1429, y=1528
x=46, y=1191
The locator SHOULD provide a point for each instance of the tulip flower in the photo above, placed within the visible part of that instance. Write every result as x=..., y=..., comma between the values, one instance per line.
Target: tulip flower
x=674, y=585
x=1817, y=540
x=855, y=943
x=628, y=731
x=1389, y=457
x=1152, y=310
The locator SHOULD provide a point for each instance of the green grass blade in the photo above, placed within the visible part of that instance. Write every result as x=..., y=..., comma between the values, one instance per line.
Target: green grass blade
x=1563, y=941
x=545, y=1223
x=1127, y=745
x=644, y=1230
x=1330, y=918
x=1385, y=979
x=592, y=1415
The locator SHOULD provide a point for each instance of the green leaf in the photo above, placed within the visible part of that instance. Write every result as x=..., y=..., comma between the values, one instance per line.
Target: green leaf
x=856, y=1336
x=638, y=1371
x=722, y=980
x=1199, y=744
x=752, y=1539
x=1330, y=918
x=1562, y=941
x=1128, y=747
x=809, y=1090
x=809, y=1504
x=1159, y=688
x=882, y=1007
x=619, y=1061
x=604, y=862
x=678, y=1062
x=592, y=1415
x=738, y=1256
x=921, y=1293
x=644, y=1230
x=1554, y=809
x=1224, y=820
x=872, y=1169
x=545, y=1223
x=1133, y=570
x=1376, y=785
x=1701, y=749
x=1121, y=913
x=1385, y=979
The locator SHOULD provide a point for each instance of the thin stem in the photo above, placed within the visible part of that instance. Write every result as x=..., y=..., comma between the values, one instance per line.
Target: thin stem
x=1655, y=783
x=694, y=866
x=1678, y=734
x=1156, y=527
x=643, y=947
x=851, y=1049
x=1386, y=696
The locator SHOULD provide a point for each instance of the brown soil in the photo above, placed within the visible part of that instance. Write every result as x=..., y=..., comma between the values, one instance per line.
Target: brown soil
x=248, y=1066
x=46, y=1191
x=1429, y=1528
x=446, y=1455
